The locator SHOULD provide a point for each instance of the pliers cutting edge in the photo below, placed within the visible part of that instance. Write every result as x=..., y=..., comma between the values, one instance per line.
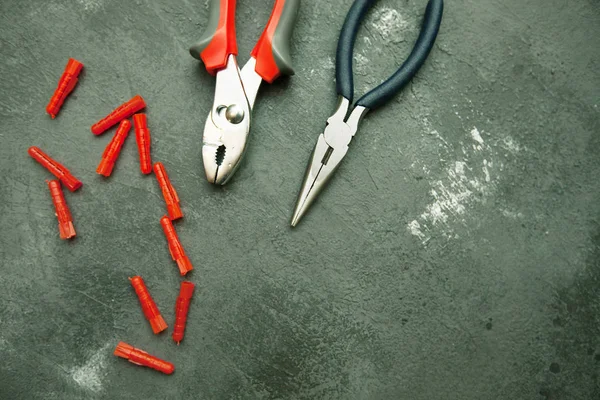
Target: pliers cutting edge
x=332, y=144
x=228, y=123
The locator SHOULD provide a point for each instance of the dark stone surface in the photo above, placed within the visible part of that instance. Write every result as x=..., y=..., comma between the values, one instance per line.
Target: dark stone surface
x=455, y=255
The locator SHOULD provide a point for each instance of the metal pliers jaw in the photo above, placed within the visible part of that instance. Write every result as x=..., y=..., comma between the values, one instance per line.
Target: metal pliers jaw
x=227, y=126
x=331, y=147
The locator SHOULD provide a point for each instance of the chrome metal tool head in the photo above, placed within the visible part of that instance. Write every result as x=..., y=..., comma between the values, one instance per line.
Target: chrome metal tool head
x=227, y=126
x=329, y=151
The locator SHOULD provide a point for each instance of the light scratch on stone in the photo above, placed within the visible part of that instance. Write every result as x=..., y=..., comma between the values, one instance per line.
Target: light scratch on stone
x=89, y=375
x=486, y=171
x=373, y=180
x=415, y=229
x=91, y=5
x=476, y=135
x=462, y=185
x=94, y=299
x=511, y=214
x=390, y=24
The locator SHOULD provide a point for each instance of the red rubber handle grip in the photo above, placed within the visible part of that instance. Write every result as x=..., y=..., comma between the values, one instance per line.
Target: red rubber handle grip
x=218, y=41
x=272, y=49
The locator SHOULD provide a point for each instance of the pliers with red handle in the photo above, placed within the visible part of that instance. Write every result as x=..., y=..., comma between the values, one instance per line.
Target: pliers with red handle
x=228, y=123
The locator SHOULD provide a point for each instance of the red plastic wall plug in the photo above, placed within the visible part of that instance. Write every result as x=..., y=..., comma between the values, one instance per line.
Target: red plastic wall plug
x=149, y=307
x=140, y=357
x=65, y=220
x=169, y=193
x=175, y=248
x=182, y=307
x=55, y=168
x=142, y=137
x=111, y=153
x=66, y=84
x=120, y=113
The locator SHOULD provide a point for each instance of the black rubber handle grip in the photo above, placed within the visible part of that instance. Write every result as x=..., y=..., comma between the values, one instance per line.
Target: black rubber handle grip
x=384, y=92
x=343, y=58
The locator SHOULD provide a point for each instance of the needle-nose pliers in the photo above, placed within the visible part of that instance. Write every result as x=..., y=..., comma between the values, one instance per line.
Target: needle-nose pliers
x=332, y=144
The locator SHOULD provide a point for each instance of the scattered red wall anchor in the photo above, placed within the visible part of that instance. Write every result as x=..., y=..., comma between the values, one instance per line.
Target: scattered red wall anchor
x=120, y=113
x=149, y=307
x=55, y=168
x=66, y=84
x=169, y=193
x=65, y=220
x=111, y=153
x=175, y=248
x=142, y=137
x=182, y=307
x=140, y=357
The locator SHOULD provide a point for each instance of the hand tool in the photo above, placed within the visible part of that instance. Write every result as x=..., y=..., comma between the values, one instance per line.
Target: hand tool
x=228, y=123
x=332, y=144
